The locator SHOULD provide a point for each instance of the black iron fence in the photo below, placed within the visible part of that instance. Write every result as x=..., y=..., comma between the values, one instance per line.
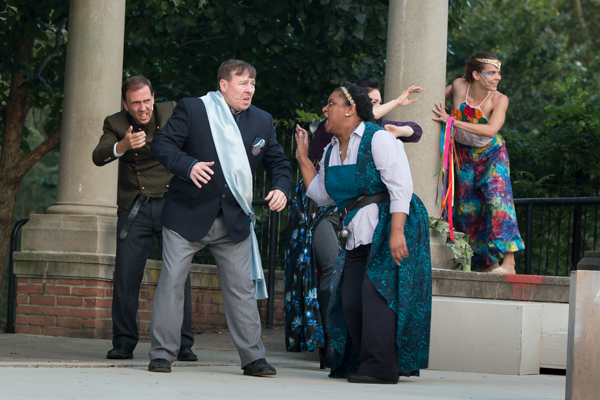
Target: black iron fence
x=12, y=281
x=557, y=231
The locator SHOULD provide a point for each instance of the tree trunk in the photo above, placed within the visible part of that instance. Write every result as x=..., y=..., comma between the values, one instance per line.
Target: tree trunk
x=13, y=165
x=581, y=20
x=8, y=196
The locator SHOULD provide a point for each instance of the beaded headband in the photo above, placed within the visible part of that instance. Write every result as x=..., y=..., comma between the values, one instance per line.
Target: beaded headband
x=347, y=94
x=495, y=63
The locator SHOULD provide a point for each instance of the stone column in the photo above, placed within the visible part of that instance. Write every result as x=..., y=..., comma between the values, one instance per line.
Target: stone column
x=93, y=78
x=83, y=218
x=416, y=55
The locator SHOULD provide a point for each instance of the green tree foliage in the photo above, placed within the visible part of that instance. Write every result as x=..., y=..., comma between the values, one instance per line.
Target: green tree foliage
x=550, y=120
x=301, y=49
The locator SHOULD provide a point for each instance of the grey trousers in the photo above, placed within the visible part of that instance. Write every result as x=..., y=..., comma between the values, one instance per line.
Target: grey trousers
x=327, y=248
x=241, y=310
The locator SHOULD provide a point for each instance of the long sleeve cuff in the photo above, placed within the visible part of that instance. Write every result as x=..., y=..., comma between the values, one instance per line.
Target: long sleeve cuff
x=117, y=155
x=187, y=177
x=399, y=205
x=282, y=191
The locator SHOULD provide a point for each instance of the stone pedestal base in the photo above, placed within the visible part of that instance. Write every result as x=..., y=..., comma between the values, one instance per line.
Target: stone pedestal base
x=441, y=255
x=499, y=337
x=583, y=360
x=82, y=234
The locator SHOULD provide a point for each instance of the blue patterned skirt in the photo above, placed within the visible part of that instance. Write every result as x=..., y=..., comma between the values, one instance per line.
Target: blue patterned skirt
x=302, y=315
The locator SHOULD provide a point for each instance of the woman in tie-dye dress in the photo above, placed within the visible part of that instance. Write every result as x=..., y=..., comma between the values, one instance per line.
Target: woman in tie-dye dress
x=484, y=207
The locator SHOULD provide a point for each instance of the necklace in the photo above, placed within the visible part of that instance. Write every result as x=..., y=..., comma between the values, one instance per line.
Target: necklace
x=342, y=146
x=347, y=141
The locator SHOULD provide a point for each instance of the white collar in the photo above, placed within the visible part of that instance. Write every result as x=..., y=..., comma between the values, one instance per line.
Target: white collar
x=359, y=131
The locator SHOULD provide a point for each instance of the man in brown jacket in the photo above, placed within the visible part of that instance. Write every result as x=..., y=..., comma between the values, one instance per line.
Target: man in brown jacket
x=143, y=182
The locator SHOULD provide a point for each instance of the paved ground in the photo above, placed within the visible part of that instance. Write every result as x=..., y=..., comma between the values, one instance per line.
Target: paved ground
x=42, y=367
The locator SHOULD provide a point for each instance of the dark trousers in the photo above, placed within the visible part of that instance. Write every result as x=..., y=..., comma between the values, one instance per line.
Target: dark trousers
x=372, y=324
x=130, y=262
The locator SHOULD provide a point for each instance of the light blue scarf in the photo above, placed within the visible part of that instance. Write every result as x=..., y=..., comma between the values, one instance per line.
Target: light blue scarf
x=236, y=168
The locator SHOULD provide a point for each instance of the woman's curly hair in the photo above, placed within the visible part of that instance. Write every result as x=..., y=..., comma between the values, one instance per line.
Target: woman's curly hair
x=362, y=101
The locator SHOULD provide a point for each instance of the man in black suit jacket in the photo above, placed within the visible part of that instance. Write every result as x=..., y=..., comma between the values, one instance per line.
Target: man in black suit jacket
x=143, y=182
x=201, y=211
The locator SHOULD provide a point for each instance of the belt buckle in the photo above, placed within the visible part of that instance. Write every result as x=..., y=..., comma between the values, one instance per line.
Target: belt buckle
x=343, y=237
x=144, y=198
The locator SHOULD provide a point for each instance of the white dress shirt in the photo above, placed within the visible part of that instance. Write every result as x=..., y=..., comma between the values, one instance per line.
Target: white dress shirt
x=391, y=162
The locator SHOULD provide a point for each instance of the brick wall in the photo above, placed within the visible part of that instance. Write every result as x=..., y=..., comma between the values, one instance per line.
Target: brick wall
x=64, y=307
x=82, y=308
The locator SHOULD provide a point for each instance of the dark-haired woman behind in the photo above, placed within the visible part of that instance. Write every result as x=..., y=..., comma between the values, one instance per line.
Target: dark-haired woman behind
x=380, y=311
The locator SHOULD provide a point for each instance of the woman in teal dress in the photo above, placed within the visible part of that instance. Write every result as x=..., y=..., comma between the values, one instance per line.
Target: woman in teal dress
x=380, y=308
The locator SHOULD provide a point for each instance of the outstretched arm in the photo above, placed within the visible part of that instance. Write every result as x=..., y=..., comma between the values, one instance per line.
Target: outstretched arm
x=401, y=101
x=490, y=129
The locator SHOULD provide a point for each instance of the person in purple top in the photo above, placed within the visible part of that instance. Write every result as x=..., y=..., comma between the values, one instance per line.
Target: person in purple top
x=306, y=318
x=408, y=132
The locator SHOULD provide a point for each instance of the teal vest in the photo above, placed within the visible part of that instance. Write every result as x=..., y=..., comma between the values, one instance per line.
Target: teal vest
x=345, y=182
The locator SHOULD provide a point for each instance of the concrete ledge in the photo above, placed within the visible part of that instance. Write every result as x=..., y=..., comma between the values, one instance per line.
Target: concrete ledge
x=482, y=285
x=49, y=264
x=497, y=336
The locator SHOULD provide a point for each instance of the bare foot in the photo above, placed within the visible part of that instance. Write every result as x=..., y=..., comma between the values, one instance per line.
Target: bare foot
x=490, y=268
x=508, y=264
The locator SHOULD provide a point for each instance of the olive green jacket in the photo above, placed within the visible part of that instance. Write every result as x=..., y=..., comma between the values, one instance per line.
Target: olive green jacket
x=139, y=171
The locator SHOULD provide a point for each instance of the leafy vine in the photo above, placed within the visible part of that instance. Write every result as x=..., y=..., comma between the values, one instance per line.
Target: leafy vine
x=461, y=249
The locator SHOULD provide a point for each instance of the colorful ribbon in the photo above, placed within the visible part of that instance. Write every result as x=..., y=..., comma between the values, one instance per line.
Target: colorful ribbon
x=446, y=173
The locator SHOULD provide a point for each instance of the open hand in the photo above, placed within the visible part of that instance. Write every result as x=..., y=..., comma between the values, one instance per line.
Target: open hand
x=399, y=131
x=403, y=99
x=201, y=173
x=302, y=141
x=440, y=110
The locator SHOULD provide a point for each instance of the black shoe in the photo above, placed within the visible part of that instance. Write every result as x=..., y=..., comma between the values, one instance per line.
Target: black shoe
x=119, y=352
x=259, y=367
x=186, y=354
x=159, y=365
x=326, y=355
x=357, y=377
